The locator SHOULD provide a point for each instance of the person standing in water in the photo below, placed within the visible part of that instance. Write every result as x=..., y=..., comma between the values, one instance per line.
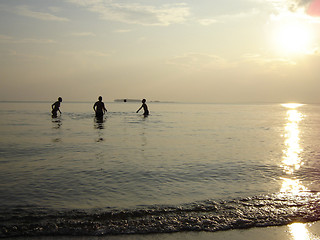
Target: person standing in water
x=145, y=108
x=56, y=107
x=99, y=108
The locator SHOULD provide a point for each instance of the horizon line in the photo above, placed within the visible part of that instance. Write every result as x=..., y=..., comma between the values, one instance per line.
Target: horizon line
x=159, y=101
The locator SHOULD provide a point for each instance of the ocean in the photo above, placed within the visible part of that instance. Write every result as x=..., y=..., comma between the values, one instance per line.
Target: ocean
x=185, y=167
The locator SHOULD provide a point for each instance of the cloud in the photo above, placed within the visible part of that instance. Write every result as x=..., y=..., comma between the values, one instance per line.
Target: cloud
x=296, y=4
x=86, y=53
x=27, y=12
x=34, y=40
x=134, y=13
x=96, y=54
x=237, y=16
x=9, y=39
x=266, y=63
x=83, y=34
x=8, y=54
x=310, y=7
x=207, y=21
x=228, y=17
x=5, y=38
x=198, y=61
x=249, y=63
x=123, y=30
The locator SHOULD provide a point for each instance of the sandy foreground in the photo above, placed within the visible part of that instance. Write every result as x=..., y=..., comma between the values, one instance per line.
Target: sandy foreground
x=295, y=231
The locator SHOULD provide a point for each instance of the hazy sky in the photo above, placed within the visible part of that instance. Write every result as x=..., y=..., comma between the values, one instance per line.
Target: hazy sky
x=173, y=50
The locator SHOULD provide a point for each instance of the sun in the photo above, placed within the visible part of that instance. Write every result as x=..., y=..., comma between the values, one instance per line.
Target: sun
x=293, y=38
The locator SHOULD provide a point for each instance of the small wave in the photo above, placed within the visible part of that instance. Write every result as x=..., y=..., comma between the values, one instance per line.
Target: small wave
x=79, y=116
x=258, y=211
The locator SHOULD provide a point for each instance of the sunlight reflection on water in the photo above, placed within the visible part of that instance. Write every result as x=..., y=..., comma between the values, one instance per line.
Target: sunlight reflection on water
x=299, y=231
x=292, y=162
x=292, y=185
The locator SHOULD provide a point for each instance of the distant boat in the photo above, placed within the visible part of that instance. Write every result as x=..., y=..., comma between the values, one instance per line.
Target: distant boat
x=127, y=100
x=138, y=100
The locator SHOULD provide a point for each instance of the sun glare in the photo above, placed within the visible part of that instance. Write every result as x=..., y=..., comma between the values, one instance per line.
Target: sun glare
x=293, y=38
x=299, y=231
x=292, y=105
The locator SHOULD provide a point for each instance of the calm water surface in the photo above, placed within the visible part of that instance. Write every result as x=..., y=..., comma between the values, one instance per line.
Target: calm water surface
x=195, y=166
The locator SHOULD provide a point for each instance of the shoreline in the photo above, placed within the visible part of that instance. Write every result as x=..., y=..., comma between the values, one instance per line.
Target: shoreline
x=294, y=231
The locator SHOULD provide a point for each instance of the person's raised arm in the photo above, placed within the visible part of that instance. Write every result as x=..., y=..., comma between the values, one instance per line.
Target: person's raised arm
x=139, y=109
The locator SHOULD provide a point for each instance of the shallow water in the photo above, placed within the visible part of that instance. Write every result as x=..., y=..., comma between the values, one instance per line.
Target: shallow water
x=185, y=167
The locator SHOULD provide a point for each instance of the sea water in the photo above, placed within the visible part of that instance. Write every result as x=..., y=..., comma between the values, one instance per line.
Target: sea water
x=185, y=167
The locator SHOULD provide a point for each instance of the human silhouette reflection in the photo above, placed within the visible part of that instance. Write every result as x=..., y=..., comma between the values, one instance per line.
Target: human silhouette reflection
x=57, y=123
x=99, y=122
x=56, y=126
x=56, y=108
x=99, y=125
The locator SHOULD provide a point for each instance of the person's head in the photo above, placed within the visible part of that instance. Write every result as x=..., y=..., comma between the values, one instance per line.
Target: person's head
x=60, y=99
x=143, y=100
x=100, y=98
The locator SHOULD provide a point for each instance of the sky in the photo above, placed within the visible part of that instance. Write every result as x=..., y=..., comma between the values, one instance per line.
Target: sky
x=215, y=51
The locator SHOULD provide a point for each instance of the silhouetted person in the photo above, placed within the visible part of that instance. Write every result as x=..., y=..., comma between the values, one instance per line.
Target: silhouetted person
x=56, y=107
x=145, y=108
x=99, y=108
